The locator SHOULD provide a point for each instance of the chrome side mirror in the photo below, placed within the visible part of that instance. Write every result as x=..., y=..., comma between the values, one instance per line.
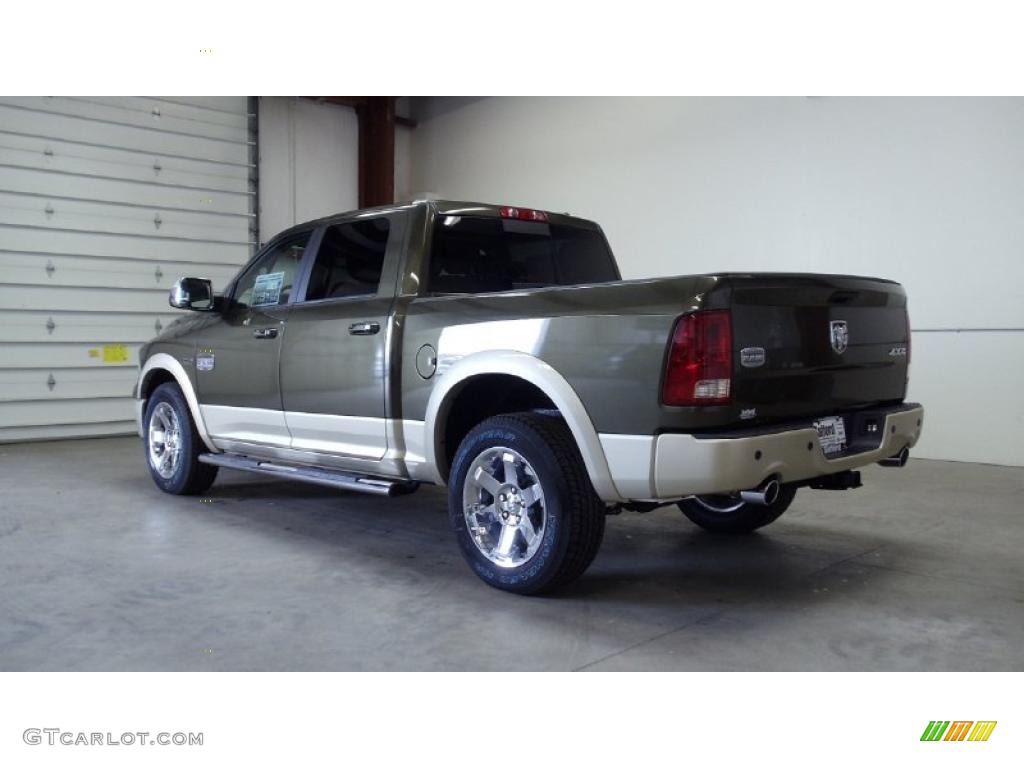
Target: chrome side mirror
x=192, y=293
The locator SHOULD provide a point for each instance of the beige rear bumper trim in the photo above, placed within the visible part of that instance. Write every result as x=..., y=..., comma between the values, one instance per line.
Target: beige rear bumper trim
x=686, y=466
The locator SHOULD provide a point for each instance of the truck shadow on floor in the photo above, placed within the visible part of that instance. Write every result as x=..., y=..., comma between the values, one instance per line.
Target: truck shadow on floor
x=698, y=568
x=659, y=558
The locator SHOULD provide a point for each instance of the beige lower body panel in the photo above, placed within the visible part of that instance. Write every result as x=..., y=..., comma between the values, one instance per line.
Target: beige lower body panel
x=139, y=406
x=357, y=436
x=256, y=425
x=683, y=465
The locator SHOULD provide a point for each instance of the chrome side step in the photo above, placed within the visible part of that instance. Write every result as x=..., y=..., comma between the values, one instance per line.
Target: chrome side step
x=331, y=478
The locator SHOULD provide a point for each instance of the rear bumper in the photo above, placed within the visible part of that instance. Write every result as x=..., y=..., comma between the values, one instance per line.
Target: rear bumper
x=671, y=466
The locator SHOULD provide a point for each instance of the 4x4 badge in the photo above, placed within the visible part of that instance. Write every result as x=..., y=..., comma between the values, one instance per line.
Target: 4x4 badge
x=840, y=337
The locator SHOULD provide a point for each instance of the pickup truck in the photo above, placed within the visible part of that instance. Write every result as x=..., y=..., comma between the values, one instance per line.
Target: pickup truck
x=496, y=350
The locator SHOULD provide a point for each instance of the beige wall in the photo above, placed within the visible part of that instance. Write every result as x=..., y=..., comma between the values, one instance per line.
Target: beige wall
x=929, y=192
x=309, y=161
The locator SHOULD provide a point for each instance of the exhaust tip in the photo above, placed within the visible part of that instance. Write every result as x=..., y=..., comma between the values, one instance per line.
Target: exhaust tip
x=765, y=494
x=897, y=460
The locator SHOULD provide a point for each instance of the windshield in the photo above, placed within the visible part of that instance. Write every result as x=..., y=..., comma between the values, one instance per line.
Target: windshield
x=475, y=254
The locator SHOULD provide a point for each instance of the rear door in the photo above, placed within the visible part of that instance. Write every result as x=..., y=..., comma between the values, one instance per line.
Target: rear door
x=237, y=356
x=335, y=356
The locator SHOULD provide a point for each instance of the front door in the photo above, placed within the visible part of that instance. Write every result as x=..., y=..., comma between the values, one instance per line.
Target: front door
x=334, y=359
x=237, y=357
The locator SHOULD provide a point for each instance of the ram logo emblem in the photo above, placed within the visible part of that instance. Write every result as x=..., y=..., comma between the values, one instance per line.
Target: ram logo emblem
x=752, y=357
x=840, y=336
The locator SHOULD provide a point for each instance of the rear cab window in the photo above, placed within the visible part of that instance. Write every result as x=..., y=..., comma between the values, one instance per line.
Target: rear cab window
x=479, y=254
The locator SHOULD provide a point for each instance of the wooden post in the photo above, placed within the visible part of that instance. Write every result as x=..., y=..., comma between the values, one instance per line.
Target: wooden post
x=376, y=115
x=376, y=150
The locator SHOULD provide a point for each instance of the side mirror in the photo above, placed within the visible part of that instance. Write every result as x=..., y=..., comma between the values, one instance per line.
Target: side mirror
x=192, y=293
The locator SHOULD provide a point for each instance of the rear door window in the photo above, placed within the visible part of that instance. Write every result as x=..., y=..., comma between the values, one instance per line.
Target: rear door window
x=350, y=260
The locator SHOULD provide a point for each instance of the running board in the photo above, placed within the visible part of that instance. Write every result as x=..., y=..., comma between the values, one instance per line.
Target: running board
x=332, y=478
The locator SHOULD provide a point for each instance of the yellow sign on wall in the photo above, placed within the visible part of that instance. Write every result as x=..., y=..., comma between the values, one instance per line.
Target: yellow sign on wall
x=115, y=353
x=111, y=353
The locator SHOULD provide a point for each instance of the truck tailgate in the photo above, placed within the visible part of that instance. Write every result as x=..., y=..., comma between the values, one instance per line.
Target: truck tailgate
x=809, y=345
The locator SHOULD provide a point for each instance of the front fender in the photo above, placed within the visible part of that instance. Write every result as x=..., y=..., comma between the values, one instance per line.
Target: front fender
x=165, y=362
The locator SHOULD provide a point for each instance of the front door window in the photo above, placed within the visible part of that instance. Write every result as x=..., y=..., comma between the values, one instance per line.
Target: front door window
x=269, y=282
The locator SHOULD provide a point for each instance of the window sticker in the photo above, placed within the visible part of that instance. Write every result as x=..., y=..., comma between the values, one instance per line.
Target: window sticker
x=267, y=289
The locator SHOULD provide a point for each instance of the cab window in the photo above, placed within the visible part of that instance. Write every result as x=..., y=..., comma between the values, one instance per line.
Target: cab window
x=270, y=280
x=476, y=254
x=350, y=260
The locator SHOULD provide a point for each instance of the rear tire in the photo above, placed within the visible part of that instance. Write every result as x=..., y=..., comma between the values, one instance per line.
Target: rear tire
x=520, y=501
x=730, y=514
x=172, y=445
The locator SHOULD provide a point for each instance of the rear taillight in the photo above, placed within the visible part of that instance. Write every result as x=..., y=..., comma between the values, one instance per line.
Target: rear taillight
x=699, y=370
x=523, y=214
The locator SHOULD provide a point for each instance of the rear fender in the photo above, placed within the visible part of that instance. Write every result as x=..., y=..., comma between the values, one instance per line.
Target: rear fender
x=547, y=380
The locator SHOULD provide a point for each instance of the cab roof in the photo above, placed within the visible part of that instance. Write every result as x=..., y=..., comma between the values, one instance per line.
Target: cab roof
x=439, y=207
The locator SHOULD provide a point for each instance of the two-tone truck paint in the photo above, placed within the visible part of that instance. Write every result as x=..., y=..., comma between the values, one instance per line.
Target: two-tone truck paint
x=497, y=351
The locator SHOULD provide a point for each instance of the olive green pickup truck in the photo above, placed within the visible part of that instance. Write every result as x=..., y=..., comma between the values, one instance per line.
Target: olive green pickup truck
x=496, y=350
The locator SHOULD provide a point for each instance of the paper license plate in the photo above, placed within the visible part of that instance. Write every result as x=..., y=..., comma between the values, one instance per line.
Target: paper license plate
x=831, y=434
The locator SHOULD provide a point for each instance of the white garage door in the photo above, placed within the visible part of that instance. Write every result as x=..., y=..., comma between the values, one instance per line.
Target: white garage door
x=104, y=202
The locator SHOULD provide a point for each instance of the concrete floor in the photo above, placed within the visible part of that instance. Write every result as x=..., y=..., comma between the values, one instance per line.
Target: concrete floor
x=922, y=569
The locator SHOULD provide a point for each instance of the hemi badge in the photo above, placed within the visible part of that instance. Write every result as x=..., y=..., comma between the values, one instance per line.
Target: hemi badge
x=752, y=357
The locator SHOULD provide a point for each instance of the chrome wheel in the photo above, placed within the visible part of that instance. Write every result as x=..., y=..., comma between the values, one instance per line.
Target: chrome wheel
x=504, y=507
x=721, y=503
x=164, y=440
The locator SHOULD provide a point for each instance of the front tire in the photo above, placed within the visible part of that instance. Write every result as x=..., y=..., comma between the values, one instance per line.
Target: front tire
x=173, y=445
x=730, y=514
x=520, y=501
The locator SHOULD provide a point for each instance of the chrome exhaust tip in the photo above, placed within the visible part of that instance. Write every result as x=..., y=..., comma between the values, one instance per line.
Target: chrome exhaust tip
x=765, y=494
x=898, y=460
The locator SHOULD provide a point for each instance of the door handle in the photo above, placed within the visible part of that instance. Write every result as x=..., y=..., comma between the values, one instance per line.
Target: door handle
x=364, y=329
x=265, y=333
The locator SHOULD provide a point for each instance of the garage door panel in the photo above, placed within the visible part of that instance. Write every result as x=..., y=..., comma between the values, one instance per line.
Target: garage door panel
x=233, y=104
x=39, y=240
x=38, y=297
x=63, y=355
x=84, y=411
x=41, y=123
x=50, y=326
x=53, y=183
x=33, y=153
x=104, y=202
x=97, y=272
x=55, y=213
x=237, y=117
x=153, y=120
x=60, y=431
x=157, y=112
x=65, y=384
